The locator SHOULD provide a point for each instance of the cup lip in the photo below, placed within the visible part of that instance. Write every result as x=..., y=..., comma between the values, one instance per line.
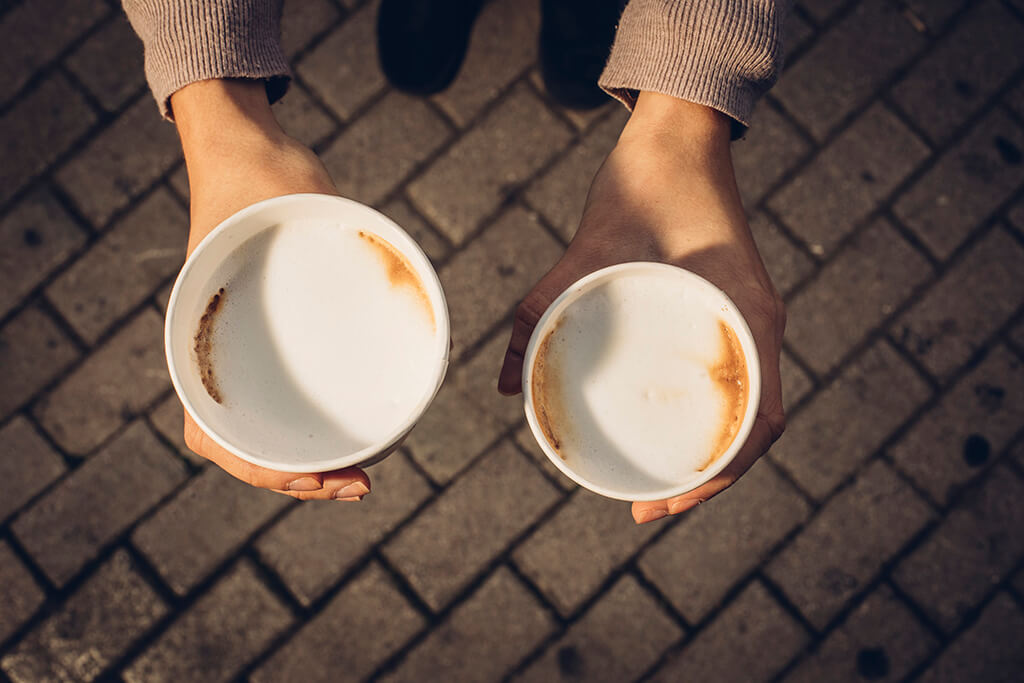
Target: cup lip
x=350, y=459
x=573, y=292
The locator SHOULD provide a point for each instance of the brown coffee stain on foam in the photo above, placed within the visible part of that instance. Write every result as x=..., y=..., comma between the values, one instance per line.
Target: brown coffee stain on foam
x=400, y=271
x=729, y=374
x=204, y=345
x=548, y=404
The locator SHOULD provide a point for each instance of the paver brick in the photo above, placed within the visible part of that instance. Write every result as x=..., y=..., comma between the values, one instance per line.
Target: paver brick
x=849, y=420
x=375, y=153
x=472, y=643
x=796, y=383
x=848, y=178
x=88, y=509
x=38, y=128
x=36, y=237
x=477, y=379
x=168, y=419
x=617, y=639
x=771, y=147
x=400, y=211
x=787, y=265
x=988, y=651
x=965, y=185
x=115, y=383
x=796, y=32
x=972, y=550
x=478, y=172
x=361, y=626
x=203, y=525
x=484, y=282
x=843, y=547
x=179, y=182
x=222, y=632
x=976, y=296
x=27, y=466
x=751, y=640
x=110, y=63
x=33, y=351
x=120, y=162
x=822, y=10
x=123, y=268
x=880, y=641
x=469, y=524
x=867, y=282
x=91, y=630
x=967, y=429
x=581, y=119
x=847, y=64
x=970, y=64
x=301, y=117
x=302, y=21
x=317, y=542
x=935, y=13
x=1014, y=99
x=716, y=544
x=19, y=593
x=528, y=444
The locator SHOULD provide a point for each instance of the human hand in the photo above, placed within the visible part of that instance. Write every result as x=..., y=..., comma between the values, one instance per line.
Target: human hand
x=238, y=155
x=667, y=193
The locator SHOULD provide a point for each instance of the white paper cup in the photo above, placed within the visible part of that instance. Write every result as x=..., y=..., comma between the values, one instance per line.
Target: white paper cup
x=609, y=425
x=320, y=357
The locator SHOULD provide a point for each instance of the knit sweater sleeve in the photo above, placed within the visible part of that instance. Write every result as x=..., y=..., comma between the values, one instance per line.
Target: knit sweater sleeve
x=720, y=53
x=194, y=40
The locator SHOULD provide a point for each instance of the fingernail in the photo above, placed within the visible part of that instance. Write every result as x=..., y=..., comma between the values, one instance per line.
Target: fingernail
x=652, y=515
x=305, y=484
x=682, y=506
x=356, y=489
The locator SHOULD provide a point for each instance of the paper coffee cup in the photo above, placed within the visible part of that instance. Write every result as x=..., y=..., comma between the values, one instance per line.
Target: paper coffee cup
x=641, y=381
x=307, y=333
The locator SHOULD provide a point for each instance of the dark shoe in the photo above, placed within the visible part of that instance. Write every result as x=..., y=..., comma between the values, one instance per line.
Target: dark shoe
x=422, y=43
x=575, y=40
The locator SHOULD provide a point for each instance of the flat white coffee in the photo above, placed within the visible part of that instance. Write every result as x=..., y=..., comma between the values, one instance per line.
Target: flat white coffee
x=641, y=382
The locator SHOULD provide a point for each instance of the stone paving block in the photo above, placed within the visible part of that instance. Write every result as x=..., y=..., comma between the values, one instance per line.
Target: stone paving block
x=303, y=20
x=1014, y=99
x=934, y=13
x=168, y=419
x=970, y=64
x=363, y=625
x=842, y=548
x=222, y=632
x=121, y=161
x=581, y=119
x=400, y=211
x=38, y=128
x=617, y=639
x=971, y=551
x=179, y=182
x=796, y=32
x=31, y=37
x=302, y=118
x=561, y=192
x=988, y=651
x=69, y=525
x=115, y=383
x=469, y=524
x=33, y=351
x=786, y=264
x=847, y=64
x=849, y=420
x=795, y=382
x=967, y=183
x=821, y=10
x=91, y=630
x=35, y=238
x=966, y=431
x=484, y=282
x=374, y=154
x=751, y=640
x=317, y=542
x=715, y=545
x=343, y=70
x=122, y=269
x=472, y=178
x=471, y=642
x=477, y=379
x=848, y=178
x=771, y=147
x=528, y=444
x=976, y=296
x=879, y=641
x=204, y=524
x=19, y=593
x=110, y=63
x=502, y=46
x=857, y=291
x=27, y=466
x=453, y=431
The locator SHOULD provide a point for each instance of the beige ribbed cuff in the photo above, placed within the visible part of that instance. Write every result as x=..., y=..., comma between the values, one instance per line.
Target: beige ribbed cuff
x=720, y=53
x=196, y=40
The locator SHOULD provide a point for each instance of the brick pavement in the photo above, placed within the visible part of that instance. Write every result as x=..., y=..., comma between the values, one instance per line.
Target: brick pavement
x=879, y=541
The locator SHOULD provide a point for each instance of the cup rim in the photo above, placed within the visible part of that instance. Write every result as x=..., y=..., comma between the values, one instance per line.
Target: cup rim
x=369, y=454
x=573, y=292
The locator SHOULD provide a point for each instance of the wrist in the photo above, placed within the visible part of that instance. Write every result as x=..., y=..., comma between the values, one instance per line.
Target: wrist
x=224, y=112
x=672, y=124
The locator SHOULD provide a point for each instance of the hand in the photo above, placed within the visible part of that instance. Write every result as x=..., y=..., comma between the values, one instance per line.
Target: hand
x=667, y=193
x=237, y=155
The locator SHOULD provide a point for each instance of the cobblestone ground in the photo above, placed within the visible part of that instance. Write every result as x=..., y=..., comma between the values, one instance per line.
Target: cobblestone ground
x=880, y=540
